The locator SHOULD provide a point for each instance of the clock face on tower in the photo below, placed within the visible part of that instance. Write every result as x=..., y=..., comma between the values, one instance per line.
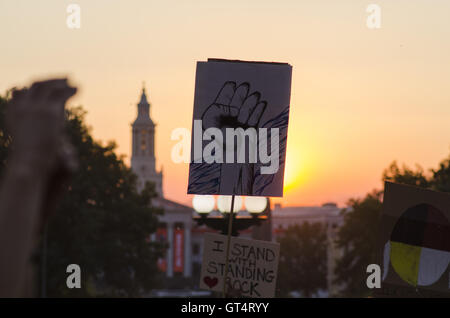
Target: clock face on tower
x=143, y=143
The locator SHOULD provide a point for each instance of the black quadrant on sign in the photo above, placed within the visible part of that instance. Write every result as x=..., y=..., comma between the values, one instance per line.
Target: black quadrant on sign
x=437, y=232
x=423, y=225
x=410, y=227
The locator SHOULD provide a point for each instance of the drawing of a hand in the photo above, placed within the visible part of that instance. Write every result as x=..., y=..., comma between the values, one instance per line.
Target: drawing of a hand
x=234, y=107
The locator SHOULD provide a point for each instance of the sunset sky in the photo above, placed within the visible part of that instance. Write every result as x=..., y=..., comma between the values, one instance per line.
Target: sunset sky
x=361, y=98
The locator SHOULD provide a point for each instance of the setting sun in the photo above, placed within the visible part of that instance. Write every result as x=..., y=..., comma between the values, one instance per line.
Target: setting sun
x=292, y=172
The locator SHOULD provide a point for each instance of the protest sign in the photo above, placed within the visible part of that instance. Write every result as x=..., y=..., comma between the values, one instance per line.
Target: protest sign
x=414, y=245
x=252, y=266
x=239, y=129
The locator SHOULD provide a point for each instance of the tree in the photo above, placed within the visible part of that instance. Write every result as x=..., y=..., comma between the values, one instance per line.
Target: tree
x=406, y=176
x=5, y=138
x=303, y=259
x=441, y=176
x=357, y=240
x=102, y=223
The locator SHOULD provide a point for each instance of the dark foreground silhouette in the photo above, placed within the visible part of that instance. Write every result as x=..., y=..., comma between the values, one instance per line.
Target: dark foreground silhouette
x=39, y=163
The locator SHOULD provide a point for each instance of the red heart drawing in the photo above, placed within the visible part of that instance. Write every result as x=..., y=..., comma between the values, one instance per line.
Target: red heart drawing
x=211, y=282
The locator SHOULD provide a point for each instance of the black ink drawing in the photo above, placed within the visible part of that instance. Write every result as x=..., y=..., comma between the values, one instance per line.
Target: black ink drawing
x=236, y=106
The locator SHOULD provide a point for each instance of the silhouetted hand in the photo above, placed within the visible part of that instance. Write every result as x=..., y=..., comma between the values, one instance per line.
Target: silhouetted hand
x=39, y=161
x=35, y=119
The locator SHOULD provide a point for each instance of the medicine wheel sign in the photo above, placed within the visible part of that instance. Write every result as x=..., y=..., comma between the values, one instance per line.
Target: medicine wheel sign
x=420, y=245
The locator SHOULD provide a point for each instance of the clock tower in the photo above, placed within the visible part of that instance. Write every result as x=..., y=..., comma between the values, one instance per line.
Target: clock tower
x=143, y=161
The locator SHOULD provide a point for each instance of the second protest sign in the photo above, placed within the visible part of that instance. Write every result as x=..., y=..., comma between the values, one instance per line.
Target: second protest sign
x=252, y=267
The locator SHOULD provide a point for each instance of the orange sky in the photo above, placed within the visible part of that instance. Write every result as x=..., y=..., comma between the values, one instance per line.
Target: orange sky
x=361, y=98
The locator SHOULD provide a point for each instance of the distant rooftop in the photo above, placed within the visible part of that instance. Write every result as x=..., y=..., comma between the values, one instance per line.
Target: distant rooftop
x=328, y=209
x=169, y=204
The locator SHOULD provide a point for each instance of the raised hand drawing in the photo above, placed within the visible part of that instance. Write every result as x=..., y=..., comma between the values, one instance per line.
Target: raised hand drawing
x=236, y=106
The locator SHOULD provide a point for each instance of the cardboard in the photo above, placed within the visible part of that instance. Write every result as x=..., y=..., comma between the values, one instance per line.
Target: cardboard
x=253, y=266
x=414, y=245
x=253, y=96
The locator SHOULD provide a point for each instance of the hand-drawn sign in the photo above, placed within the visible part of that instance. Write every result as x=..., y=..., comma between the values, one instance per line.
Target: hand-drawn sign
x=414, y=246
x=240, y=122
x=252, y=267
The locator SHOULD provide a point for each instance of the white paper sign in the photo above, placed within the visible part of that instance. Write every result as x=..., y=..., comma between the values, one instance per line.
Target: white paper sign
x=252, y=267
x=239, y=129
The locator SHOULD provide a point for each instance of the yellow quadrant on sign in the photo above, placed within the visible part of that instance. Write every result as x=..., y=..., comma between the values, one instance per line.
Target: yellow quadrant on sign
x=405, y=260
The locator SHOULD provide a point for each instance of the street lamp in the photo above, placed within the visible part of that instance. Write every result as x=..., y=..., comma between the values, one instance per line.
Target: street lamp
x=255, y=205
x=224, y=203
x=203, y=203
x=258, y=208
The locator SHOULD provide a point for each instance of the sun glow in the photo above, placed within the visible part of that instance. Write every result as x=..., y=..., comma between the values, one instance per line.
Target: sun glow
x=293, y=169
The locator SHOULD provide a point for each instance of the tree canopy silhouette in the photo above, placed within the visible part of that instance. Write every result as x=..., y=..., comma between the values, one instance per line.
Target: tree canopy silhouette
x=303, y=260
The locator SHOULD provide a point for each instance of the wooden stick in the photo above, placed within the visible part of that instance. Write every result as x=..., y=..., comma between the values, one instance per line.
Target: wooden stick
x=230, y=226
